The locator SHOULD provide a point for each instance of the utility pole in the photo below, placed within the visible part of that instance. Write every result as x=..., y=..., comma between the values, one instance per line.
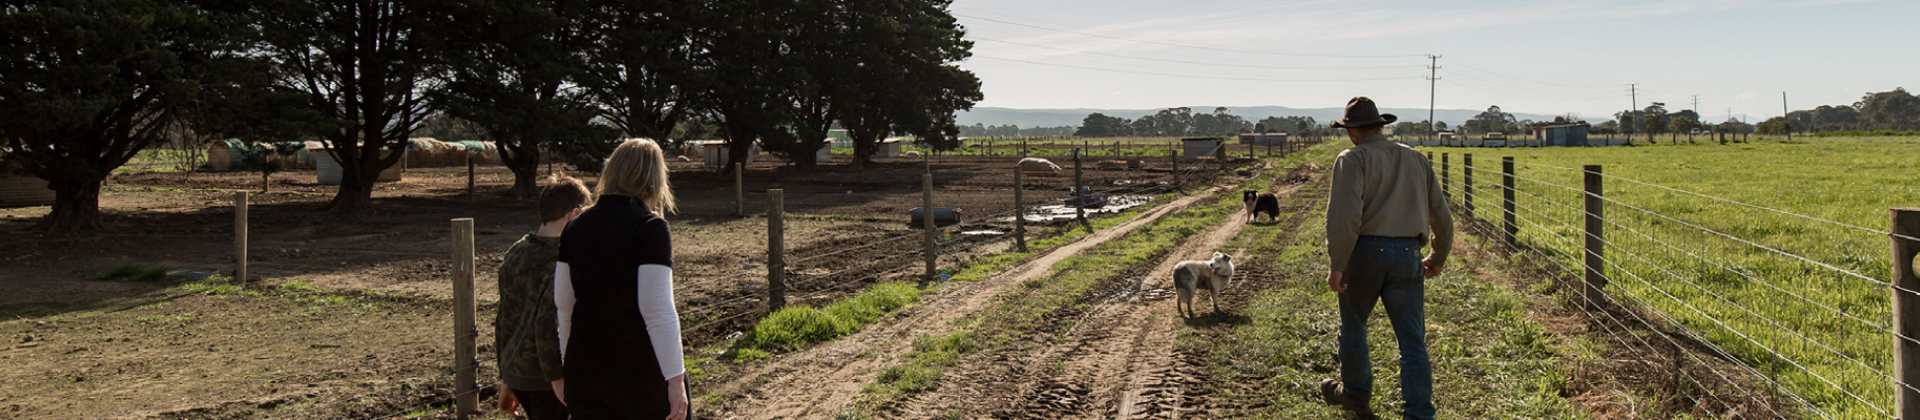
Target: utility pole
x=1635, y=89
x=1433, y=79
x=1696, y=104
x=1786, y=115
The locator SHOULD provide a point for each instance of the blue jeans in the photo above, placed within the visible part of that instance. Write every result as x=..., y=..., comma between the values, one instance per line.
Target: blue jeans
x=1386, y=270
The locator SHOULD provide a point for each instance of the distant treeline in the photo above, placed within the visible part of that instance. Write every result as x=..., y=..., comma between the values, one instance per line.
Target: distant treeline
x=1876, y=112
x=1010, y=130
x=1182, y=121
x=1874, y=133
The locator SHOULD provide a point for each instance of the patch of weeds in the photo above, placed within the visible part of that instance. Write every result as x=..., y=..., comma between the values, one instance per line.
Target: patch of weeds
x=796, y=326
x=211, y=288
x=297, y=286
x=329, y=300
x=749, y=355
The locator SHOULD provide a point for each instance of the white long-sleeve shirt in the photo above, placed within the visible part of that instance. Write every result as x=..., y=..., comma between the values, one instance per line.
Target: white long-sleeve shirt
x=654, y=285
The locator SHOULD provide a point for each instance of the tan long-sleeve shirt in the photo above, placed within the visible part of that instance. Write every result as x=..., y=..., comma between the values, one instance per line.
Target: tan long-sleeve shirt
x=1382, y=188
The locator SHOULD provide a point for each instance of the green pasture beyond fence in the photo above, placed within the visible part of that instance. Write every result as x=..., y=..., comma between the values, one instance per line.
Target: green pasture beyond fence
x=1813, y=313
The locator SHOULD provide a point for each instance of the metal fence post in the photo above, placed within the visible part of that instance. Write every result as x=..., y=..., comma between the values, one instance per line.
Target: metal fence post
x=1446, y=175
x=926, y=216
x=1596, y=234
x=1466, y=183
x=470, y=198
x=1906, y=311
x=465, y=400
x=240, y=237
x=1512, y=226
x=776, y=249
x=1019, y=208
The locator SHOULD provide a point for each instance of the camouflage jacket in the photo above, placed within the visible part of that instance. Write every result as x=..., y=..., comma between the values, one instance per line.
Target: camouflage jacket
x=527, y=331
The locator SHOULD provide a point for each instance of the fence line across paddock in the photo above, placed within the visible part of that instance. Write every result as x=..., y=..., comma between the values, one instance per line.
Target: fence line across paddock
x=461, y=398
x=1686, y=275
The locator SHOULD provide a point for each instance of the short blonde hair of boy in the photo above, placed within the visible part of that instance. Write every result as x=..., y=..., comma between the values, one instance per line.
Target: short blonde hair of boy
x=638, y=169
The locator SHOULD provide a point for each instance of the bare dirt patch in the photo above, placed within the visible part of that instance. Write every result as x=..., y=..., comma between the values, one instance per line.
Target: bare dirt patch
x=398, y=257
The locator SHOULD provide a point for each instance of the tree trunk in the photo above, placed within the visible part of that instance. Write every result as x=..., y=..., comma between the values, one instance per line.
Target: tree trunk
x=523, y=158
x=76, y=207
x=526, y=183
x=353, y=199
x=862, y=153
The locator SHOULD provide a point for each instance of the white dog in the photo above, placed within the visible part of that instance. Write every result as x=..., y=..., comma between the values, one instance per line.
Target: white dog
x=1213, y=275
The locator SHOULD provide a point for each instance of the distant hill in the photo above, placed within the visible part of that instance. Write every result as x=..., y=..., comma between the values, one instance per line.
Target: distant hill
x=1073, y=116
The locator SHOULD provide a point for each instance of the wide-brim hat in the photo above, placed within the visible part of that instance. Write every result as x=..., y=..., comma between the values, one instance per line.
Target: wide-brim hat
x=1361, y=113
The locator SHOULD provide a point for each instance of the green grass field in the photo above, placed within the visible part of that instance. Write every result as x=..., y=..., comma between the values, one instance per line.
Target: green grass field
x=1817, y=325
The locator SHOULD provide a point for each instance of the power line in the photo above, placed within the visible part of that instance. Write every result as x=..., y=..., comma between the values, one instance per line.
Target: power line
x=1182, y=45
x=1190, y=76
x=1550, y=98
x=1490, y=72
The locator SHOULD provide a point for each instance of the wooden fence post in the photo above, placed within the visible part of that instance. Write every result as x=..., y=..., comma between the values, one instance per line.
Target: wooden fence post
x=1019, y=208
x=1596, y=234
x=240, y=237
x=1446, y=175
x=465, y=400
x=1466, y=183
x=739, y=191
x=926, y=216
x=1220, y=156
x=470, y=198
x=776, y=249
x=1173, y=154
x=1906, y=312
x=1512, y=226
x=1079, y=190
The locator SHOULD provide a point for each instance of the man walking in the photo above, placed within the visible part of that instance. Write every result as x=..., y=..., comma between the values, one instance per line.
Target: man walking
x=1383, y=205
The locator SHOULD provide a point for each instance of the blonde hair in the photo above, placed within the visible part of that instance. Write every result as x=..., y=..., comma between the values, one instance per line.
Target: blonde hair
x=638, y=169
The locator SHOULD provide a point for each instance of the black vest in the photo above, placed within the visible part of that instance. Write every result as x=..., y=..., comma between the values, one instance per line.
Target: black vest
x=610, y=368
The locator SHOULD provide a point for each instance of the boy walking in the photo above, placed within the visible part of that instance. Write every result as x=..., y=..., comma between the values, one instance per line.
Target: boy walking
x=527, y=331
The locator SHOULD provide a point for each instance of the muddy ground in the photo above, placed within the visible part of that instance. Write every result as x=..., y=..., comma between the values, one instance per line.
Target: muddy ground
x=371, y=334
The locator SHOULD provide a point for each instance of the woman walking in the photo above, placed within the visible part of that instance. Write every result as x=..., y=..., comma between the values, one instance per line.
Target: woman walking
x=613, y=285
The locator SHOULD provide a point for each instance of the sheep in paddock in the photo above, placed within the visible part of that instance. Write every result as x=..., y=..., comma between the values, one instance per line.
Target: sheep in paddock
x=1038, y=166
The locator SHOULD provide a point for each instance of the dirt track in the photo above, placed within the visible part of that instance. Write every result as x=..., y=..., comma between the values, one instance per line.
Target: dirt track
x=823, y=381
x=1118, y=360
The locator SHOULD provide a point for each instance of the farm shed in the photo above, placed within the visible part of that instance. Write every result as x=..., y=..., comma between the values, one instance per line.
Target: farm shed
x=327, y=171
x=888, y=148
x=716, y=152
x=23, y=191
x=839, y=139
x=1561, y=134
x=1194, y=148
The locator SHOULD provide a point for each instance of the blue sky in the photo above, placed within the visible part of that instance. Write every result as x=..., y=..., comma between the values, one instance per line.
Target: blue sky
x=1546, y=57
